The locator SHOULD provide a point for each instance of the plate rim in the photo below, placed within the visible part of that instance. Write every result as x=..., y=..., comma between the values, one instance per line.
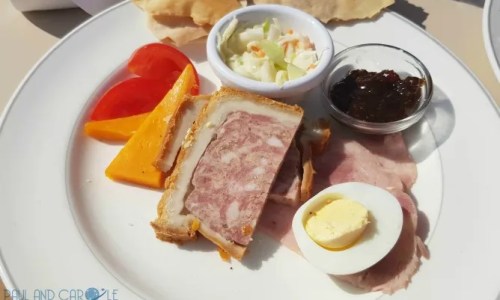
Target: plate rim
x=487, y=39
x=493, y=58
x=4, y=272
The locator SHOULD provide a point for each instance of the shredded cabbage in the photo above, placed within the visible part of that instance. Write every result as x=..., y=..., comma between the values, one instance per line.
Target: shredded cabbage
x=265, y=53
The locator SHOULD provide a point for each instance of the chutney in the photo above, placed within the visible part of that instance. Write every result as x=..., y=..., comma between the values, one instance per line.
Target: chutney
x=377, y=96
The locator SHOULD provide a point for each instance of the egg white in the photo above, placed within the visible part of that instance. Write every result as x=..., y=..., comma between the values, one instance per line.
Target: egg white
x=380, y=236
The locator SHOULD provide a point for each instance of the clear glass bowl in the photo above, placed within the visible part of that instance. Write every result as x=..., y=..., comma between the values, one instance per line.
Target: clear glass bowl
x=376, y=58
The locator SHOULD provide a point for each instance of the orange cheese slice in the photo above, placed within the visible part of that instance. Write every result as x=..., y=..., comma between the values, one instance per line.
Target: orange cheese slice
x=116, y=130
x=135, y=162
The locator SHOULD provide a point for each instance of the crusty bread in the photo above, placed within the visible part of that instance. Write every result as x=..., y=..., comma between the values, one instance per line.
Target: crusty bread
x=174, y=222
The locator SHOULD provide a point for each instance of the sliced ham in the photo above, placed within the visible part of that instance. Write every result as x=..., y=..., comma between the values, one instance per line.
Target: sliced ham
x=395, y=270
x=407, y=204
x=392, y=154
x=383, y=161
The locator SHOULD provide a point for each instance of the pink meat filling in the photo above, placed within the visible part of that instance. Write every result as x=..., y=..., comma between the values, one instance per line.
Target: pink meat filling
x=232, y=180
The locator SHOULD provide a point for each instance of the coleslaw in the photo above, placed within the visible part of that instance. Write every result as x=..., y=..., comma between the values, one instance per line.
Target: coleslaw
x=266, y=53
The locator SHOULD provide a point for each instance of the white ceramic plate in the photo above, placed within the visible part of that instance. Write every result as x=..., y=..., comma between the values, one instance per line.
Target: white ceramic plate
x=95, y=6
x=491, y=33
x=65, y=227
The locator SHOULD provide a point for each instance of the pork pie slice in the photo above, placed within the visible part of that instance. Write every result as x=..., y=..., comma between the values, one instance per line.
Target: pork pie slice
x=225, y=170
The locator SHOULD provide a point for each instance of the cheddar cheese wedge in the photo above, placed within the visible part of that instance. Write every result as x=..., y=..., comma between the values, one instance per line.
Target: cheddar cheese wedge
x=115, y=130
x=135, y=163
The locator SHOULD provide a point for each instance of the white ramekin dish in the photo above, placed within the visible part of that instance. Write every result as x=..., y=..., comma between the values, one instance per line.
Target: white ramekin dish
x=288, y=17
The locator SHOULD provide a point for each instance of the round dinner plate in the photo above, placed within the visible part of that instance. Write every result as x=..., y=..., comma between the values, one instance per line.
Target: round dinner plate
x=491, y=34
x=65, y=229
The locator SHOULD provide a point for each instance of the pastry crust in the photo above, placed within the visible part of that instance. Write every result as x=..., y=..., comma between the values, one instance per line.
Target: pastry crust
x=174, y=234
x=188, y=112
x=172, y=225
x=233, y=249
x=243, y=96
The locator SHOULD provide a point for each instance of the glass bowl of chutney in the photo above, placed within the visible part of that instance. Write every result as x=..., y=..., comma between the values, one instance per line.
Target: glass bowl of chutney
x=377, y=88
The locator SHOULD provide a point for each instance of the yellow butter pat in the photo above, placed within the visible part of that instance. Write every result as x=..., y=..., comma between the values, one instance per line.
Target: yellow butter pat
x=338, y=223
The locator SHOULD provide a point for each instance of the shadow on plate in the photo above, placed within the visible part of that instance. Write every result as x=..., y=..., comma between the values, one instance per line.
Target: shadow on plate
x=412, y=12
x=200, y=245
x=423, y=227
x=57, y=22
x=196, y=51
x=439, y=120
x=206, y=85
x=260, y=249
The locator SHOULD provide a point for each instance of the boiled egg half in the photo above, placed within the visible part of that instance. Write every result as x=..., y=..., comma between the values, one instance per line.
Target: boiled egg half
x=352, y=234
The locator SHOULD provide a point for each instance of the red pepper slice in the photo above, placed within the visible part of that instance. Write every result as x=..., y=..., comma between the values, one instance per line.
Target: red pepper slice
x=158, y=67
x=130, y=97
x=161, y=62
